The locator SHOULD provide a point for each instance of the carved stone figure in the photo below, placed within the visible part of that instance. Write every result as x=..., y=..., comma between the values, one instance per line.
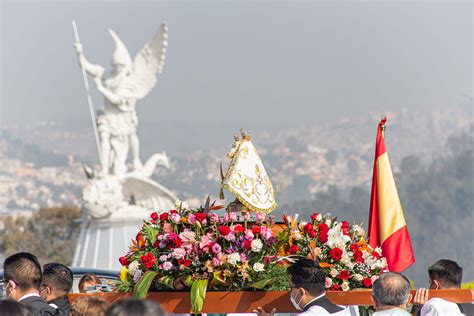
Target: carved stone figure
x=127, y=82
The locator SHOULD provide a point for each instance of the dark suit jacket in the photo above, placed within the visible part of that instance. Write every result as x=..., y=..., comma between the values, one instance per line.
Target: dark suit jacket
x=63, y=305
x=38, y=306
x=324, y=303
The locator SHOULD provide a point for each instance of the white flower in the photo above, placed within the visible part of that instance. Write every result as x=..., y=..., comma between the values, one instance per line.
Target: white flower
x=358, y=230
x=133, y=267
x=328, y=283
x=333, y=272
x=328, y=221
x=137, y=275
x=256, y=245
x=345, y=286
x=259, y=267
x=297, y=236
x=336, y=238
x=374, y=278
x=319, y=217
x=166, y=266
x=233, y=258
x=378, y=250
x=358, y=277
x=345, y=260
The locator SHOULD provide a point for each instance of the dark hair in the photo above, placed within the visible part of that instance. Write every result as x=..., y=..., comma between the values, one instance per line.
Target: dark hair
x=307, y=274
x=135, y=308
x=24, y=269
x=58, y=277
x=88, y=277
x=88, y=306
x=446, y=272
x=12, y=308
x=391, y=289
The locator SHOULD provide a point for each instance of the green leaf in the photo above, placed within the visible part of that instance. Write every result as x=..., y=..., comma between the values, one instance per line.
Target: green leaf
x=198, y=294
x=260, y=285
x=167, y=280
x=143, y=285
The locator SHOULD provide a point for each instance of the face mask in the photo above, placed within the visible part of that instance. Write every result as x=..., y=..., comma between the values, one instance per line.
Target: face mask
x=295, y=303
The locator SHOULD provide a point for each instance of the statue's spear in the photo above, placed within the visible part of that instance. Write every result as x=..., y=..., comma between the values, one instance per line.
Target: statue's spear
x=89, y=100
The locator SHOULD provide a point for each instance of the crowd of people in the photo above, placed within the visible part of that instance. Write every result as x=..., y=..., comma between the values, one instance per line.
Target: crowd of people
x=32, y=290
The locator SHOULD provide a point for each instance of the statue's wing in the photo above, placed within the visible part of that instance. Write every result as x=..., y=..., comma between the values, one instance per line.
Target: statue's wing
x=147, y=193
x=149, y=62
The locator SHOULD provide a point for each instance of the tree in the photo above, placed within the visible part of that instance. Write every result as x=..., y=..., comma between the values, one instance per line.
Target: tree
x=50, y=234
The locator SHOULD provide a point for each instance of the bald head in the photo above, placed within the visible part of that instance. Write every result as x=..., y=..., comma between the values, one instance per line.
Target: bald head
x=391, y=289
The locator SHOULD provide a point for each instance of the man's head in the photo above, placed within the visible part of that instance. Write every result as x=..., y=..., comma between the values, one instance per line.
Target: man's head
x=22, y=275
x=57, y=281
x=87, y=280
x=445, y=274
x=88, y=306
x=135, y=307
x=391, y=290
x=307, y=281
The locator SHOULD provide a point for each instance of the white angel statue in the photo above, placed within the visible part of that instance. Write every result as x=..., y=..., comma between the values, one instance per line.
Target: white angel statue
x=127, y=82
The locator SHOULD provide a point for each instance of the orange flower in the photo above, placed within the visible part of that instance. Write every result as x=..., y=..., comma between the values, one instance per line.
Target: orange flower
x=325, y=265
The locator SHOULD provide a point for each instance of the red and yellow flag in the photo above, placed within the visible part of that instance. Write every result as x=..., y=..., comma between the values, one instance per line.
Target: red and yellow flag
x=387, y=225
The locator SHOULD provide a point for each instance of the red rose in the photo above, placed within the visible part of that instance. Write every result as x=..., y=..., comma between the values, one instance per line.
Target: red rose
x=163, y=217
x=239, y=228
x=177, y=242
x=314, y=216
x=154, y=217
x=376, y=255
x=344, y=275
x=308, y=227
x=224, y=230
x=354, y=247
x=148, y=260
x=200, y=217
x=248, y=244
x=367, y=282
x=359, y=260
x=336, y=254
x=335, y=287
x=256, y=230
x=294, y=249
x=323, y=238
x=124, y=261
x=184, y=262
x=312, y=234
x=345, y=224
x=323, y=229
x=173, y=212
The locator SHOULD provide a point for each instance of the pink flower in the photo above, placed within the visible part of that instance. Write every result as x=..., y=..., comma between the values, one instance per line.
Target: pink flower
x=178, y=253
x=216, y=262
x=265, y=232
x=328, y=283
x=175, y=218
x=233, y=216
x=261, y=216
x=166, y=266
x=163, y=258
x=191, y=219
x=214, y=217
x=226, y=218
x=167, y=228
x=216, y=248
x=205, y=241
x=243, y=257
x=249, y=234
x=246, y=216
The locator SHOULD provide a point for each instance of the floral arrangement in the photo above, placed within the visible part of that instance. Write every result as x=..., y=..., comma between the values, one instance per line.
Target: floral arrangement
x=196, y=250
x=339, y=247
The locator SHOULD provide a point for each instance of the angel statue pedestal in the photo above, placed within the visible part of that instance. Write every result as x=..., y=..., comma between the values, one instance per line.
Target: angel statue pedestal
x=121, y=194
x=247, y=179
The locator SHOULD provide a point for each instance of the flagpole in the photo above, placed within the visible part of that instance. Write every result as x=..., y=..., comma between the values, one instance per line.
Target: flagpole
x=89, y=100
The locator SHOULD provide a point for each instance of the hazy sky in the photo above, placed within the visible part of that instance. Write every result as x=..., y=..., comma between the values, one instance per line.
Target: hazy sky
x=294, y=61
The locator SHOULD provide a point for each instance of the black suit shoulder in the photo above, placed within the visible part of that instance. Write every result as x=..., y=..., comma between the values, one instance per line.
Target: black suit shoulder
x=39, y=306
